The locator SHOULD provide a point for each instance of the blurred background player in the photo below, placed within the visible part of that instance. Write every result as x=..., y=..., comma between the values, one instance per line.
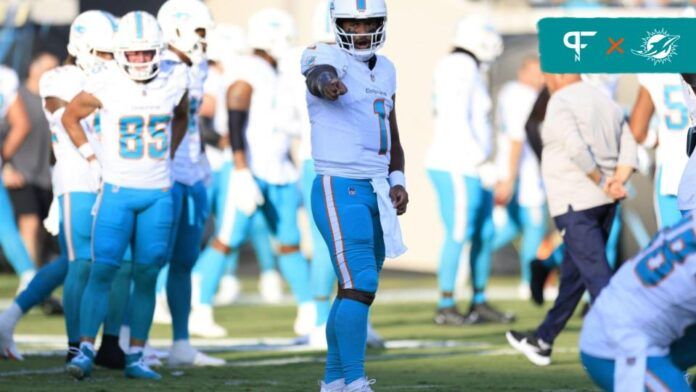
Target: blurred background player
x=635, y=336
x=686, y=195
x=264, y=180
x=136, y=203
x=360, y=183
x=456, y=163
x=519, y=194
x=185, y=25
x=90, y=44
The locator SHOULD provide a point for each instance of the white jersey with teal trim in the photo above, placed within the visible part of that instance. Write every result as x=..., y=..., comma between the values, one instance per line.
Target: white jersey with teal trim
x=292, y=102
x=649, y=301
x=188, y=166
x=463, y=137
x=9, y=84
x=673, y=122
x=216, y=87
x=351, y=136
x=268, y=148
x=686, y=198
x=136, y=123
x=71, y=171
x=515, y=102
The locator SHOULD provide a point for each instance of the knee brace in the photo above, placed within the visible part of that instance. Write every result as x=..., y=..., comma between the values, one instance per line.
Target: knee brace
x=356, y=295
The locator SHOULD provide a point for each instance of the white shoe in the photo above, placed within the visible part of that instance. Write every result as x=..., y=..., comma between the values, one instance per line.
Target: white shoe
x=373, y=338
x=24, y=280
x=306, y=318
x=124, y=338
x=162, y=314
x=151, y=356
x=333, y=386
x=271, y=287
x=228, y=291
x=8, y=321
x=524, y=292
x=201, y=323
x=317, y=338
x=183, y=354
x=360, y=385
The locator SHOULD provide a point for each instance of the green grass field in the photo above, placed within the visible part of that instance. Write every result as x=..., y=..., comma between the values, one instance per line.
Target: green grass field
x=421, y=356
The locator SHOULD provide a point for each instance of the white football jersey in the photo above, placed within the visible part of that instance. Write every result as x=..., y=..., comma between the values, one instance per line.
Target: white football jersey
x=9, y=83
x=673, y=122
x=351, y=137
x=463, y=136
x=649, y=301
x=515, y=102
x=268, y=148
x=136, y=123
x=71, y=171
x=188, y=166
x=292, y=102
x=686, y=198
x=216, y=87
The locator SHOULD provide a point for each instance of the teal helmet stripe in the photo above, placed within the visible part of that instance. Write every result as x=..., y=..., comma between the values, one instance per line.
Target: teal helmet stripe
x=139, y=24
x=361, y=4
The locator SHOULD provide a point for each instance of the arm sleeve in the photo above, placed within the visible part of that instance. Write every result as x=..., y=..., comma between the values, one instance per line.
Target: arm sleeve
x=208, y=133
x=533, y=125
x=628, y=148
x=567, y=130
x=237, y=120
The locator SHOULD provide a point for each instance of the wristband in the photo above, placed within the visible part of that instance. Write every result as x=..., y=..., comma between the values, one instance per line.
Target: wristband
x=650, y=139
x=86, y=150
x=397, y=178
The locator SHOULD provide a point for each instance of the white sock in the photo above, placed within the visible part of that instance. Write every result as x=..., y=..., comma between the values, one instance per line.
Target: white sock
x=14, y=314
x=88, y=345
x=135, y=350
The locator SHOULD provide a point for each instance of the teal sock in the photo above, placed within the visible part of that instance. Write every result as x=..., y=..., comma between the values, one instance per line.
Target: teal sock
x=162, y=279
x=47, y=279
x=144, y=282
x=179, y=297
x=295, y=270
x=261, y=241
x=351, y=334
x=323, y=309
x=447, y=271
x=118, y=299
x=333, y=369
x=95, y=300
x=210, y=267
x=73, y=288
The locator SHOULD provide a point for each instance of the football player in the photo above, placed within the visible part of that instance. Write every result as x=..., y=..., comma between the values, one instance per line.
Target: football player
x=633, y=337
x=142, y=101
x=686, y=196
x=360, y=185
x=463, y=178
x=520, y=191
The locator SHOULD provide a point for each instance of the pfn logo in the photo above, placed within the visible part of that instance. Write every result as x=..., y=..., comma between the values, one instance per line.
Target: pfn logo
x=573, y=40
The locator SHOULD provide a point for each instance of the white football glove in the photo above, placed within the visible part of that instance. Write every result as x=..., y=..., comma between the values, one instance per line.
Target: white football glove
x=95, y=175
x=248, y=196
x=488, y=175
x=52, y=223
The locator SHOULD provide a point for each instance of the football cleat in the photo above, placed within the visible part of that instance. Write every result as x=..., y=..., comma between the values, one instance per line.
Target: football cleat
x=153, y=356
x=485, y=313
x=162, y=314
x=334, y=386
x=306, y=318
x=271, y=287
x=229, y=290
x=373, y=338
x=201, y=323
x=360, y=385
x=183, y=354
x=110, y=354
x=450, y=316
x=534, y=348
x=8, y=321
x=81, y=366
x=317, y=338
x=73, y=351
x=137, y=368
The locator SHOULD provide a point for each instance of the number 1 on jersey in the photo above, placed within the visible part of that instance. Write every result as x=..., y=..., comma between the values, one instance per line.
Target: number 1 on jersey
x=381, y=112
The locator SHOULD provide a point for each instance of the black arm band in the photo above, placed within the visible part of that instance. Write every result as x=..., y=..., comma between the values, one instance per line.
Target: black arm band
x=318, y=77
x=237, y=120
x=208, y=133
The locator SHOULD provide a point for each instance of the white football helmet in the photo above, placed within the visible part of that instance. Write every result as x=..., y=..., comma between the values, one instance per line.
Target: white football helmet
x=226, y=40
x=91, y=32
x=359, y=9
x=322, y=25
x=271, y=30
x=138, y=31
x=478, y=36
x=179, y=20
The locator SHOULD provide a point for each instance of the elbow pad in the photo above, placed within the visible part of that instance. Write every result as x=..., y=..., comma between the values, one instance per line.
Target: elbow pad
x=237, y=121
x=318, y=77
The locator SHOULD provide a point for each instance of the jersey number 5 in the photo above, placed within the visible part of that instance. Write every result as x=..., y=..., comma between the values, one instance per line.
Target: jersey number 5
x=677, y=109
x=131, y=130
x=381, y=112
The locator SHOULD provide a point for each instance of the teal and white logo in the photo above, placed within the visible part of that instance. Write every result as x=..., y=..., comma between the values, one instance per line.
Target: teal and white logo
x=573, y=40
x=658, y=46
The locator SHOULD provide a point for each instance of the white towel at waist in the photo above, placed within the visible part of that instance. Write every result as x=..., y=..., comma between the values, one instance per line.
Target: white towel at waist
x=393, y=241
